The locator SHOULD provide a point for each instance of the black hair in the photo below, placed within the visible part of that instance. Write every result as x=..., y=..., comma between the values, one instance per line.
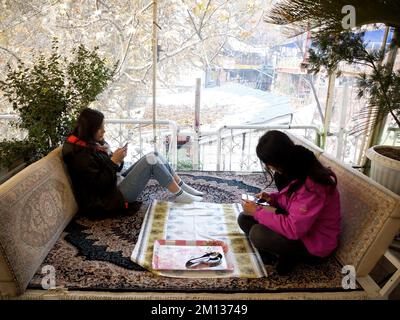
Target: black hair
x=88, y=123
x=294, y=161
x=272, y=150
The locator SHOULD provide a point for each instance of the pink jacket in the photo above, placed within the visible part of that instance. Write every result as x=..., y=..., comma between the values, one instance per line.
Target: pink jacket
x=313, y=216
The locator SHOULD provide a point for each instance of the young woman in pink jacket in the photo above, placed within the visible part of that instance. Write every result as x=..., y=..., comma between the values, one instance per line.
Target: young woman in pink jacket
x=302, y=223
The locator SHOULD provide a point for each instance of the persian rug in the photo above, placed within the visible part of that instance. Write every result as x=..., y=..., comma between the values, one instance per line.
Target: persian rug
x=95, y=255
x=181, y=223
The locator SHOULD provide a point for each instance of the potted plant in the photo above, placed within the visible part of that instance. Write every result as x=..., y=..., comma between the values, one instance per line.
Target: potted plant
x=381, y=88
x=385, y=166
x=333, y=44
x=47, y=96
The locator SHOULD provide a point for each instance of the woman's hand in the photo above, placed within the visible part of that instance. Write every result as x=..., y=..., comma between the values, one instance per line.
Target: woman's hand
x=119, y=155
x=249, y=207
x=263, y=195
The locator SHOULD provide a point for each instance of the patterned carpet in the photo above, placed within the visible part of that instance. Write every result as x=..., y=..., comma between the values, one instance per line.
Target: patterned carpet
x=95, y=255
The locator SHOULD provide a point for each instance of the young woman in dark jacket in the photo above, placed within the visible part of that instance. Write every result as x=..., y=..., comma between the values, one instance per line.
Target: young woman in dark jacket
x=93, y=171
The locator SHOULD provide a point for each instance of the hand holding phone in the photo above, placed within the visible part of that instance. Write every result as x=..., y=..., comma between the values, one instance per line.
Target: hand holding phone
x=263, y=196
x=258, y=201
x=262, y=202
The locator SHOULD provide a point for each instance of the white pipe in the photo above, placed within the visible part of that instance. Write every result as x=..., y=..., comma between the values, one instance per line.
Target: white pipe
x=196, y=150
x=154, y=40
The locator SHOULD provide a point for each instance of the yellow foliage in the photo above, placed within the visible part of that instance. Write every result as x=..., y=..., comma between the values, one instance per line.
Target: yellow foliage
x=223, y=16
x=245, y=34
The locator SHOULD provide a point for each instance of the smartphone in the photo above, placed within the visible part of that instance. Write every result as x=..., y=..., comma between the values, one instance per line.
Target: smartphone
x=260, y=202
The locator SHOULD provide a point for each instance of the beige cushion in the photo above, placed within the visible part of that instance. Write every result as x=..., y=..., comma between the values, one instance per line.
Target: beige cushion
x=35, y=206
x=370, y=217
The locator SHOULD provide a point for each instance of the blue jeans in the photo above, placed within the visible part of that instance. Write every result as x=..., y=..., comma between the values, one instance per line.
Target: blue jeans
x=136, y=177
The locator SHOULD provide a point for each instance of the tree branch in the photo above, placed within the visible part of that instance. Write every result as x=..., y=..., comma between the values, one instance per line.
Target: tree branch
x=10, y=52
x=28, y=18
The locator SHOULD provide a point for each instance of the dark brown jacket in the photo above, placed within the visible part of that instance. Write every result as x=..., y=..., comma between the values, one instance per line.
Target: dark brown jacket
x=94, y=180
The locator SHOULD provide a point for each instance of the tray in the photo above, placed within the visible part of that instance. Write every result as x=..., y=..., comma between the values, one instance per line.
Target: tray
x=173, y=254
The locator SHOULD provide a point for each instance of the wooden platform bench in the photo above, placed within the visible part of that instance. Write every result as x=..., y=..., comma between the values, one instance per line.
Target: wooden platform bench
x=38, y=203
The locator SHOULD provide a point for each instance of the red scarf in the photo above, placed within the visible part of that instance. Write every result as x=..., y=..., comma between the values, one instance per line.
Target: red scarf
x=75, y=140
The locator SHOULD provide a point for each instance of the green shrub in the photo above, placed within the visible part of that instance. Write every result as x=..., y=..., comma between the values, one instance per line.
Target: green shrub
x=48, y=96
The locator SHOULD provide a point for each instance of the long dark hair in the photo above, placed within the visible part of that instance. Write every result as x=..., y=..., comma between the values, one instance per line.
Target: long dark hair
x=89, y=122
x=294, y=161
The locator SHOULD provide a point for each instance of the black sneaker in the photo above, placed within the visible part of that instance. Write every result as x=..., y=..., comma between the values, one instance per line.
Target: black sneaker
x=134, y=206
x=268, y=258
x=285, y=266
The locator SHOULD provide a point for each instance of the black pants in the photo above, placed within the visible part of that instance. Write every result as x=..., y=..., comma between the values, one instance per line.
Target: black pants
x=271, y=244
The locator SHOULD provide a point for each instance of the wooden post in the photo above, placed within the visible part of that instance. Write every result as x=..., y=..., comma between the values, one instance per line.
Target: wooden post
x=329, y=106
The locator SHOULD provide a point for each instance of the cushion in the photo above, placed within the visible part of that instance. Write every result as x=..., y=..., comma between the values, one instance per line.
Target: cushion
x=370, y=217
x=35, y=206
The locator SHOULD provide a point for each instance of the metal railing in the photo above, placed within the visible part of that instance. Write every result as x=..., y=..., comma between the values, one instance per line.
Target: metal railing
x=139, y=134
x=235, y=150
x=228, y=148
